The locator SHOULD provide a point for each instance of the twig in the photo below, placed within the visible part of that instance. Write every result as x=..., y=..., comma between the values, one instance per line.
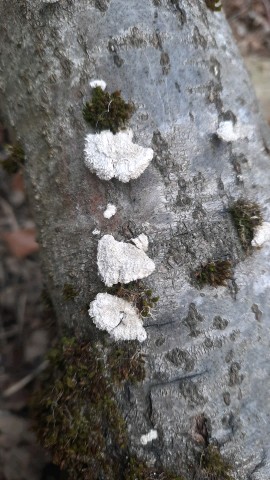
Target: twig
x=24, y=381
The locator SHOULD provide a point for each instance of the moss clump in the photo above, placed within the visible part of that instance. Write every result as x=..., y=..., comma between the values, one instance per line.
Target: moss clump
x=15, y=159
x=69, y=292
x=215, y=273
x=107, y=111
x=137, y=294
x=75, y=414
x=139, y=471
x=214, y=466
x=214, y=5
x=247, y=217
x=126, y=363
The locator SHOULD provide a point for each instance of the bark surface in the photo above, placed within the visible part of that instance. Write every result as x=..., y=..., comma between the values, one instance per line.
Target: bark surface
x=207, y=350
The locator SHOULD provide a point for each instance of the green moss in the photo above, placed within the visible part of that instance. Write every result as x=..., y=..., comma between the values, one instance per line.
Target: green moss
x=69, y=292
x=15, y=160
x=107, y=111
x=137, y=294
x=215, y=273
x=214, y=5
x=214, y=466
x=247, y=217
x=126, y=363
x=75, y=414
x=140, y=471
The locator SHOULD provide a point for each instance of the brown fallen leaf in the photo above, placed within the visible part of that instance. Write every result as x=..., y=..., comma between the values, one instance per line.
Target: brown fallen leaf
x=22, y=242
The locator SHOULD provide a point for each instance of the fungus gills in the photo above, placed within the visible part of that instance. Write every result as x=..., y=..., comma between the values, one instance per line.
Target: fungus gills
x=247, y=218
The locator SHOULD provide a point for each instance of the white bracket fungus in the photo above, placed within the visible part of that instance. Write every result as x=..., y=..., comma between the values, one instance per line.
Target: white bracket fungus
x=110, y=155
x=118, y=317
x=110, y=211
x=149, y=437
x=120, y=262
x=98, y=83
x=262, y=235
x=141, y=242
x=229, y=132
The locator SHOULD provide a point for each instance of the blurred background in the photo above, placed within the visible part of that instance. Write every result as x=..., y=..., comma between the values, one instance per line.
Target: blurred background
x=27, y=323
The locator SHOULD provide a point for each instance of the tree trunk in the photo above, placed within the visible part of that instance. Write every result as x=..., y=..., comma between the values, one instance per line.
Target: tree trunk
x=207, y=349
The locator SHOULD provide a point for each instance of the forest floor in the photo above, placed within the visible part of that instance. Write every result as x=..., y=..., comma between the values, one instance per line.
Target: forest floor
x=26, y=325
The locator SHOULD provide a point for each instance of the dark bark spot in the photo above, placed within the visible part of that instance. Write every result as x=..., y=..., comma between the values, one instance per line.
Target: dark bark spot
x=102, y=5
x=180, y=358
x=235, y=377
x=198, y=39
x=227, y=398
x=220, y=323
x=191, y=393
x=201, y=430
x=229, y=356
x=165, y=63
x=180, y=12
x=192, y=320
x=228, y=116
x=215, y=67
x=118, y=60
x=213, y=95
x=257, y=312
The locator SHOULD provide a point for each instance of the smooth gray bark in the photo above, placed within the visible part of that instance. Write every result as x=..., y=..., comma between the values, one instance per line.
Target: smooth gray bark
x=178, y=63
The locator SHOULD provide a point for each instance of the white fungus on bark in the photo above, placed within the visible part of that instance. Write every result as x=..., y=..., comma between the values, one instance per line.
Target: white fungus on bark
x=262, y=235
x=120, y=262
x=149, y=437
x=229, y=132
x=96, y=232
x=141, y=242
x=98, y=83
x=118, y=317
x=110, y=155
x=110, y=211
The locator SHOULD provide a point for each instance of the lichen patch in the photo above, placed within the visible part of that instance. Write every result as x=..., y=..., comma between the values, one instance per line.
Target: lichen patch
x=117, y=317
x=110, y=155
x=120, y=262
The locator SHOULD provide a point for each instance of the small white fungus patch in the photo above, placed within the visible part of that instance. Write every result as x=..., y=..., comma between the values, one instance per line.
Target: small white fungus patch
x=110, y=155
x=262, y=235
x=149, y=437
x=98, y=83
x=96, y=232
x=120, y=262
x=141, y=242
x=229, y=132
x=118, y=317
x=110, y=211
